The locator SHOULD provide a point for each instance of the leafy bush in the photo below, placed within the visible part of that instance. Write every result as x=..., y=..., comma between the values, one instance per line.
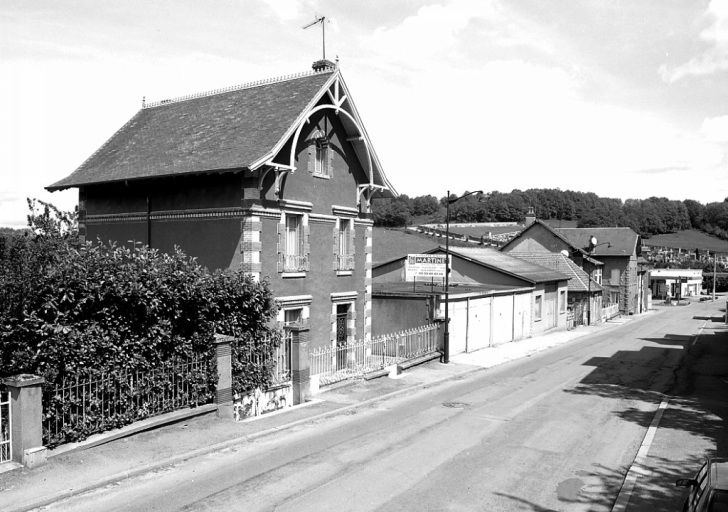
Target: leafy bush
x=71, y=310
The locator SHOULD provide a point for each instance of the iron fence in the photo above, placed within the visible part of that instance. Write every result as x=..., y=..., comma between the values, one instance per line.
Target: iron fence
x=6, y=426
x=79, y=407
x=355, y=359
x=281, y=364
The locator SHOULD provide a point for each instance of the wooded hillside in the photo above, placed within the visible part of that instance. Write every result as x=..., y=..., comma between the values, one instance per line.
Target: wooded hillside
x=651, y=216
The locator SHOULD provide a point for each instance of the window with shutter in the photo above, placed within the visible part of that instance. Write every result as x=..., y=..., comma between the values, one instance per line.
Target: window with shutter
x=345, y=245
x=322, y=156
x=293, y=246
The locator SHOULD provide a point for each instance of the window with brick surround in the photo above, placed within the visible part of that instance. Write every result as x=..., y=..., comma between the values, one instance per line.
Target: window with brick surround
x=344, y=245
x=293, y=244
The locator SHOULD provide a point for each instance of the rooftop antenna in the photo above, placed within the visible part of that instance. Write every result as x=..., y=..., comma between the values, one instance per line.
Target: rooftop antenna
x=322, y=20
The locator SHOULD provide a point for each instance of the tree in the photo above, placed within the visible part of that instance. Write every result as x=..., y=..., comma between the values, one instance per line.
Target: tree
x=391, y=212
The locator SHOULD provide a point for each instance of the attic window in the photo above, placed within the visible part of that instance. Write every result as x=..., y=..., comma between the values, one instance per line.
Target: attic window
x=321, y=156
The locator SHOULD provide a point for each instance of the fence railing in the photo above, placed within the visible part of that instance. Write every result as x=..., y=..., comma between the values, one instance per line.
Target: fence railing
x=345, y=262
x=355, y=359
x=281, y=367
x=293, y=262
x=79, y=407
x=610, y=312
x=5, y=427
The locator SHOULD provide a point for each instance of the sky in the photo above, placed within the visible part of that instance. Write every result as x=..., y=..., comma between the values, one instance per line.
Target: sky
x=626, y=99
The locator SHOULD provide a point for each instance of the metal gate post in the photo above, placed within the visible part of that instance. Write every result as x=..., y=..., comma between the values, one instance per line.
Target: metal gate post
x=26, y=411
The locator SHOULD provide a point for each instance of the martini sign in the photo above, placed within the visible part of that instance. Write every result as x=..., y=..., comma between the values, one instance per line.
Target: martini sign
x=424, y=267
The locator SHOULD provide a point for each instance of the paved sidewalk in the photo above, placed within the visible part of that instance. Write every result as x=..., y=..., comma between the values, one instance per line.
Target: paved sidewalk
x=72, y=473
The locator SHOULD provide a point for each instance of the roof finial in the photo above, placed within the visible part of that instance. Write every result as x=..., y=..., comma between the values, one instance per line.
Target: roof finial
x=144, y=101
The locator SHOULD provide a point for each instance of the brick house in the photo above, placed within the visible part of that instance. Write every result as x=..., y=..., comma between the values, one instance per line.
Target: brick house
x=275, y=177
x=611, y=256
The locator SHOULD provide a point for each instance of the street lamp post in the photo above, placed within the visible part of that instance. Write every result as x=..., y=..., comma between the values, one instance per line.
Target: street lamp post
x=592, y=245
x=446, y=337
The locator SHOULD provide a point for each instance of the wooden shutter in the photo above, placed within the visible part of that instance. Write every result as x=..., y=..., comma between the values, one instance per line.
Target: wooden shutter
x=352, y=237
x=280, y=249
x=306, y=246
x=336, y=246
x=311, y=156
x=329, y=161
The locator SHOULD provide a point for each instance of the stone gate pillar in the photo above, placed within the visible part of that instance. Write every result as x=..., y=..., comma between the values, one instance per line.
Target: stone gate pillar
x=300, y=363
x=26, y=410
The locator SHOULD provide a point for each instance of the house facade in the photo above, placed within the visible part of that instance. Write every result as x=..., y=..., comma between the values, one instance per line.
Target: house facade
x=585, y=294
x=274, y=177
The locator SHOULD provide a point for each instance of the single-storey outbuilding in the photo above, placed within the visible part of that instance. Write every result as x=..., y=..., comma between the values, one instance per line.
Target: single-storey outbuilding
x=494, y=298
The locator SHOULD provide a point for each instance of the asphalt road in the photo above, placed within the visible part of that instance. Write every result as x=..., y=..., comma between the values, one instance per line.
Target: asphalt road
x=555, y=431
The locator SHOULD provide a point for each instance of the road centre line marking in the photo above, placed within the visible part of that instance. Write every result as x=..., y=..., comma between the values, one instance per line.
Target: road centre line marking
x=637, y=468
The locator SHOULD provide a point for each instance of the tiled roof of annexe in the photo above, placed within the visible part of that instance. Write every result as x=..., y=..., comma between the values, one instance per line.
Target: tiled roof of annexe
x=215, y=131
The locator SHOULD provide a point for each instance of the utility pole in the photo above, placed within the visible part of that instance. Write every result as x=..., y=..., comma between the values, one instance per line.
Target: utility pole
x=715, y=266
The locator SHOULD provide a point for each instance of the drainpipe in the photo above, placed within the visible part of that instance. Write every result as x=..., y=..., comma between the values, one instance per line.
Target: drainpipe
x=149, y=221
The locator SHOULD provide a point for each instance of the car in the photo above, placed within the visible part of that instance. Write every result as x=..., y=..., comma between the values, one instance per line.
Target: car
x=708, y=491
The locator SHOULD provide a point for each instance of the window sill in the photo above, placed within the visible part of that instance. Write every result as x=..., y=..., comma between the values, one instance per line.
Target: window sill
x=293, y=275
x=344, y=272
x=322, y=176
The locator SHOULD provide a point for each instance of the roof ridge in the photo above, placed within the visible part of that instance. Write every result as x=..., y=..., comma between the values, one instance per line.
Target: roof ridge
x=239, y=87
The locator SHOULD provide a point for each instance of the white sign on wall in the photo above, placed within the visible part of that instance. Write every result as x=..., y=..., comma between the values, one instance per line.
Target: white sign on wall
x=424, y=267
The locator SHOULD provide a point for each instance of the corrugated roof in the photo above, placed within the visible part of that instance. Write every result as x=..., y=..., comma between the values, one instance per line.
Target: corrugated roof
x=610, y=241
x=578, y=278
x=219, y=131
x=505, y=262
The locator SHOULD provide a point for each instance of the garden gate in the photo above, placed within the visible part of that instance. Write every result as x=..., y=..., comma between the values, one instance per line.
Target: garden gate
x=5, y=427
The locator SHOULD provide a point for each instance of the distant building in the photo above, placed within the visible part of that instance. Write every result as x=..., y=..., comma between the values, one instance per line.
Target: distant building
x=673, y=283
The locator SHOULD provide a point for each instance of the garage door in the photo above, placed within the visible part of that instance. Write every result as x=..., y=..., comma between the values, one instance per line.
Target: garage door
x=479, y=324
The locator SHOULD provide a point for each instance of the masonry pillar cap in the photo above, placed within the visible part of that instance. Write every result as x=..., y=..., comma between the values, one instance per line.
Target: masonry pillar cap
x=23, y=380
x=223, y=338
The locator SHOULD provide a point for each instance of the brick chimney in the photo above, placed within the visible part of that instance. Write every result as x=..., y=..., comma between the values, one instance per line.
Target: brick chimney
x=323, y=65
x=530, y=216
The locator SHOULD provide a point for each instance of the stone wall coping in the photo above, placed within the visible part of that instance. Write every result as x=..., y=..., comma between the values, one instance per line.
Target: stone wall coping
x=23, y=380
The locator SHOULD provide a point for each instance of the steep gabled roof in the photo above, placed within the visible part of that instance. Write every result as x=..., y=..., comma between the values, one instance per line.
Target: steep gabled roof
x=508, y=264
x=610, y=241
x=578, y=279
x=574, y=247
x=238, y=128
